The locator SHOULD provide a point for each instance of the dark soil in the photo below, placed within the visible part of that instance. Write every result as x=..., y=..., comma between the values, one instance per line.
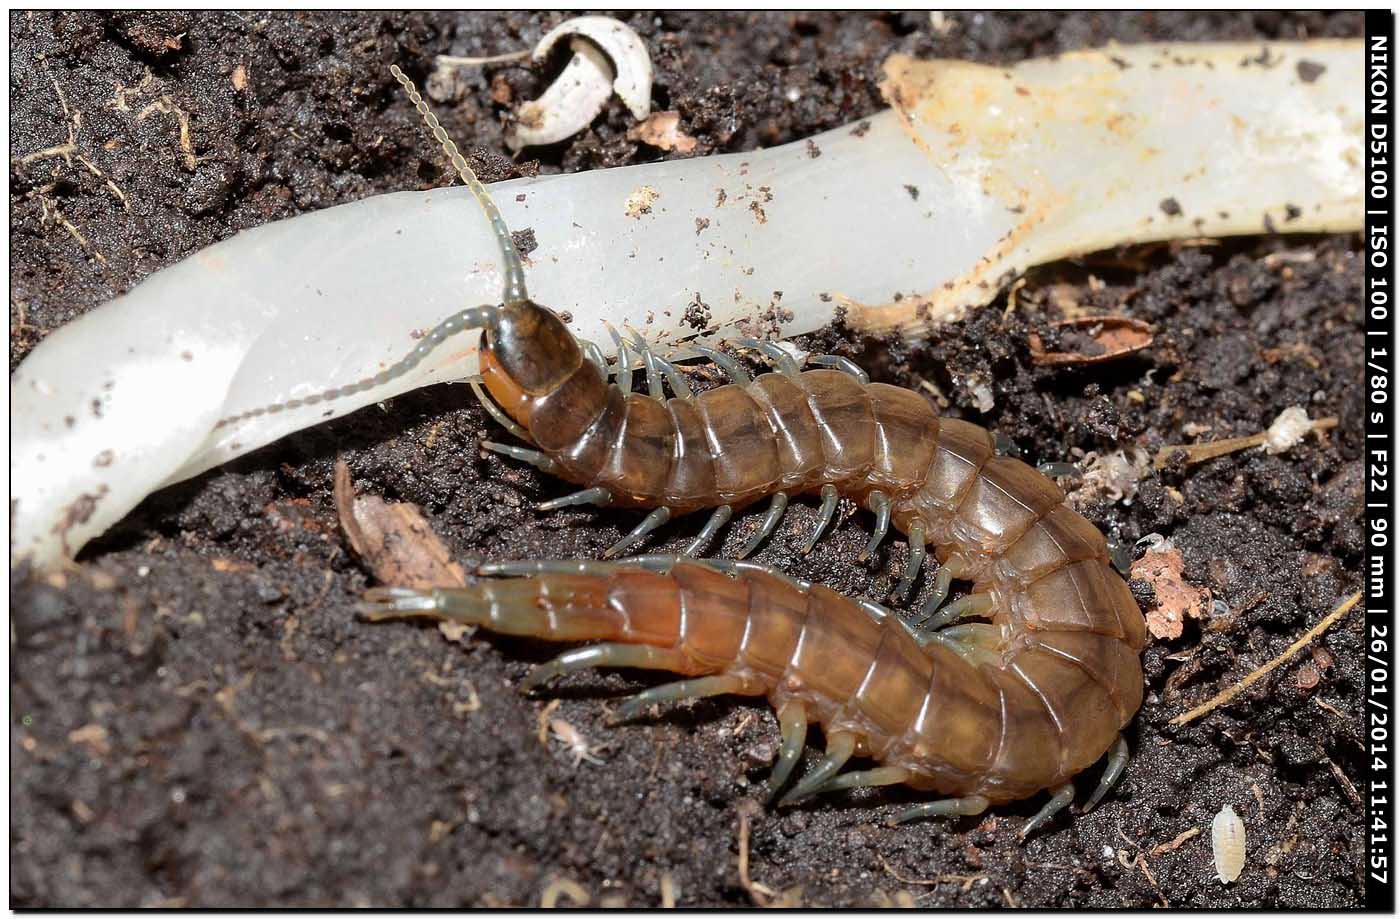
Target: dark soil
x=199, y=718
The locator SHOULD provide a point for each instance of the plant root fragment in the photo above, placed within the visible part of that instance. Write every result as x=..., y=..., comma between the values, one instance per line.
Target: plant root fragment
x=1221, y=698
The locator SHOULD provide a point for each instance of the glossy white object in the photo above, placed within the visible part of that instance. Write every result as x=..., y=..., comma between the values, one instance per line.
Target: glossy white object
x=1009, y=167
x=1227, y=844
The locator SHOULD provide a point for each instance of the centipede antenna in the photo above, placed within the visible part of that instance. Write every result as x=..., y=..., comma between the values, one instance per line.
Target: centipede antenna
x=460, y=321
x=513, y=271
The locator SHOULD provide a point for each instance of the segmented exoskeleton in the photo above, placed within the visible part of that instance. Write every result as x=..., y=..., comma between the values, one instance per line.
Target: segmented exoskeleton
x=982, y=712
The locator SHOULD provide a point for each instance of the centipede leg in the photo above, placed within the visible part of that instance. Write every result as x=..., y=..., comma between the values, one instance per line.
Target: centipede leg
x=917, y=552
x=718, y=519
x=1058, y=470
x=699, y=688
x=830, y=498
x=1058, y=801
x=624, y=360
x=608, y=654
x=942, y=582
x=533, y=457
x=792, y=722
x=770, y=522
x=679, y=384
x=533, y=566
x=780, y=358
x=1117, y=762
x=880, y=504
x=495, y=412
x=726, y=363
x=599, y=496
x=969, y=806
x=649, y=522
x=595, y=356
x=970, y=605
x=867, y=778
x=839, y=747
x=648, y=361
x=844, y=364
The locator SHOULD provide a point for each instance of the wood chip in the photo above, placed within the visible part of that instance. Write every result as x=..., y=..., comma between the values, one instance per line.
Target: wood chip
x=393, y=540
x=1097, y=338
x=662, y=129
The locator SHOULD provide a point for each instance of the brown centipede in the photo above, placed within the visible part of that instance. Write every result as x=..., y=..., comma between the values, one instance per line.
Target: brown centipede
x=979, y=712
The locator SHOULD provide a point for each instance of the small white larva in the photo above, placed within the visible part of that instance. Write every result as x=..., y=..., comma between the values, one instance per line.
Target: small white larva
x=1227, y=844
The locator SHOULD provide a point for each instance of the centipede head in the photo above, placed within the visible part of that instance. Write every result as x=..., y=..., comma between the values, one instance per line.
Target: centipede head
x=527, y=353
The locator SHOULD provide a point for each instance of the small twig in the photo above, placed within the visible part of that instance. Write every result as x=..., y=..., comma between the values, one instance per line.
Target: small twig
x=759, y=893
x=1175, y=843
x=1345, y=782
x=1228, y=694
x=451, y=60
x=966, y=880
x=1196, y=453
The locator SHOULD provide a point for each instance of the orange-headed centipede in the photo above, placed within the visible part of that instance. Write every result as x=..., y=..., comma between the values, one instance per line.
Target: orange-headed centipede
x=979, y=712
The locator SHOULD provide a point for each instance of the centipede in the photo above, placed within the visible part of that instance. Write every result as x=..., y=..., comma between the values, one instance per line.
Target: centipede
x=1033, y=688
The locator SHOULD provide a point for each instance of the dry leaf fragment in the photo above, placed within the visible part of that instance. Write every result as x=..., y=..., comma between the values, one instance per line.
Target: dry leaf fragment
x=1163, y=567
x=1095, y=339
x=662, y=129
x=393, y=540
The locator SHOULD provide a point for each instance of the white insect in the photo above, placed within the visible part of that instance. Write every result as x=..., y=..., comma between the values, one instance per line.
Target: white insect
x=1227, y=844
x=576, y=743
x=1012, y=166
